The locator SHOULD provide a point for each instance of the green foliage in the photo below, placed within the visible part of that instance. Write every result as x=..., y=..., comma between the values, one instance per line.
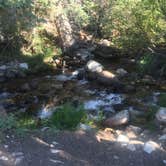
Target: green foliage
x=7, y=123
x=23, y=30
x=162, y=100
x=145, y=62
x=68, y=117
x=152, y=64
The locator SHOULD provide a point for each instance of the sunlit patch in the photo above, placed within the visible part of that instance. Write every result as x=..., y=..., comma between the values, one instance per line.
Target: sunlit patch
x=40, y=141
x=105, y=136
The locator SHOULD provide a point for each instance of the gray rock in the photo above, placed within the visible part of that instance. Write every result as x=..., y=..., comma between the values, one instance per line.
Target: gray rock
x=94, y=66
x=11, y=74
x=163, y=137
x=5, y=95
x=150, y=146
x=63, y=78
x=136, y=130
x=131, y=147
x=121, y=72
x=84, y=54
x=161, y=115
x=23, y=66
x=3, y=67
x=120, y=118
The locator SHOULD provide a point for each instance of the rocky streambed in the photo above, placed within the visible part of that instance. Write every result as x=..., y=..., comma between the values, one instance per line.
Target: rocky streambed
x=41, y=95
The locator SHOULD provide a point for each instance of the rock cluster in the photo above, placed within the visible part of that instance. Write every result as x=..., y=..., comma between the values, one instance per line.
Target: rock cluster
x=12, y=70
x=95, y=71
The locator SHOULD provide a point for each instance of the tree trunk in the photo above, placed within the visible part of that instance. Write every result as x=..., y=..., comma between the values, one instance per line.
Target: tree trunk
x=64, y=29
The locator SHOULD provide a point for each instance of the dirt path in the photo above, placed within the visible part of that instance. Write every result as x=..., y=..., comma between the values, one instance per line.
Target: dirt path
x=74, y=149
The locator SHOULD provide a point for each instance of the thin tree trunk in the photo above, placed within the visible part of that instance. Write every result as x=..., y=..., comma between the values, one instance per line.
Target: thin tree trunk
x=64, y=29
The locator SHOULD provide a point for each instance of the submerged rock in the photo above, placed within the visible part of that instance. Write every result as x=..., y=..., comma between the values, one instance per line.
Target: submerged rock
x=105, y=101
x=63, y=78
x=121, y=72
x=161, y=115
x=120, y=118
x=23, y=66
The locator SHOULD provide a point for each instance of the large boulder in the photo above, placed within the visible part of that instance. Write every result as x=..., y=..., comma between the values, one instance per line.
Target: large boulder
x=118, y=119
x=161, y=115
x=95, y=71
x=94, y=66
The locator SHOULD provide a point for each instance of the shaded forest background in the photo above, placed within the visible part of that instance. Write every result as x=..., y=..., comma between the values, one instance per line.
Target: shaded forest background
x=135, y=27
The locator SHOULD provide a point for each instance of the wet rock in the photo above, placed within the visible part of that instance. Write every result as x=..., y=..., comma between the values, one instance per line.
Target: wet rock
x=94, y=66
x=93, y=104
x=105, y=101
x=107, y=78
x=120, y=118
x=84, y=54
x=162, y=138
x=3, y=67
x=164, y=161
x=131, y=147
x=5, y=95
x=11, y=74
x=161, y=115
x=23, y=66
x=121, y=72
x=63, y=77
x=150, y=146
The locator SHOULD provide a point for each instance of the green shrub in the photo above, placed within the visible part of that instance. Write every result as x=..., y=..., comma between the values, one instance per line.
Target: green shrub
x=152, y=64
x=162, y=100
x=67, y=117
x=8, y=122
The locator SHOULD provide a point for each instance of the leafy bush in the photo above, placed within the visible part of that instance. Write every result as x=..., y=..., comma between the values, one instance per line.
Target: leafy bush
x=7, y=123
x=162, y=100
x=152, y=64
x=68, y=117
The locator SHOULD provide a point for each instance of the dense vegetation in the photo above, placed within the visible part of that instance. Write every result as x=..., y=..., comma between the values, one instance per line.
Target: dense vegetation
x=27, y=28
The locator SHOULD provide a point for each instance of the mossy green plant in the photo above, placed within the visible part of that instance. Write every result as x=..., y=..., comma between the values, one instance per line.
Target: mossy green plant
x=162, y=100
x=68, y=117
